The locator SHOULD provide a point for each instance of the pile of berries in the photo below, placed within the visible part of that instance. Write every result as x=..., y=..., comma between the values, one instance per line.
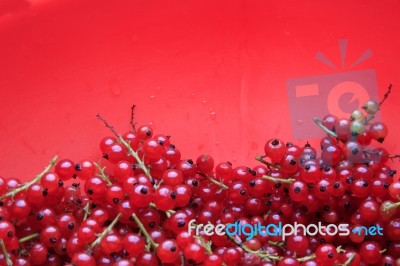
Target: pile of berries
x=138, y=206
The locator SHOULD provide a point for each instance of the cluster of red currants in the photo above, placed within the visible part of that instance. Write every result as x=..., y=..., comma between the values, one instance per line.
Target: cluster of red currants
x=137, y=209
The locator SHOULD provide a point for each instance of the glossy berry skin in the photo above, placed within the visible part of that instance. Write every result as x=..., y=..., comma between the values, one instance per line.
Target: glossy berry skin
x=111, y=244
x=38, y=254
x=205, y=163
x=168, y=251
x=237, y=192
x=213, y=260
x=369, y=211
x=378, y=131
x=134, y=244
x=394, y=228
x=172, y=177
x=83, y=259
x=65, y=169
x=7, y=230
x=195, y=253
x=275, y=149
x=50, y=236
x=323, y=189
x=115, y=152
x=152, y=149
x=329, y=121
x=232, y=256
x=147, y=259
x=310, y=173
x=288, y=261
x=289, y=164
x=331, y=155
x=342, y=128
x=298, y=191
x=370, y=252
x=141, y=195
x=164, y=198
x=85, y=169
x=326, y=254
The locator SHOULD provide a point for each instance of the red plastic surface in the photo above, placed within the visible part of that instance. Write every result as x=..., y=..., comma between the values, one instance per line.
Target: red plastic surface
x=210, y=73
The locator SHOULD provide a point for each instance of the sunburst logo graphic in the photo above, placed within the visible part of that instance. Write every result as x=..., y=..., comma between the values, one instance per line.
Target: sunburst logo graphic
x=337, y=93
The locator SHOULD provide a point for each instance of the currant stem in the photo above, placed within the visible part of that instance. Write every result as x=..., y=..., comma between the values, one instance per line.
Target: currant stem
x=306, y=258
x=157, y=186
x=105, y=232
x=127, y=146
x=365, y=151
x=4, y=250
x=389, y=90
x=205, y=245
x=144, y=231
x=27, y=238
x=261, y=160
x=26, y=185
x=87, y=211
x=287, y=181
x=133, y=124
x=102, y=174
x=214, y=181
x=369, y=119
x=388, y=207
x=324, y=128
x=259, y=253
x=349, y=260
x=168, y=212
x=277, y=244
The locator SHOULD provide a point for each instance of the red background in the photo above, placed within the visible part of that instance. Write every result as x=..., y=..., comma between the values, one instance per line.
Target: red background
x=210, y=73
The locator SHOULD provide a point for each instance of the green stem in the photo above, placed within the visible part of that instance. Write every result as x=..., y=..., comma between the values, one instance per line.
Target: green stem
x=135, y=155
x=26, y=185
x=279, y=180
x=27, y=238
x=306, y=258
x=103, y=174
x=105, y=232
x=259, y=253
x=127, y=146
x=214, y=181
x=324, y=128
x=168, y=212
x=205, y=245
x=261, y=160
x=349, y=260
x=87, y=211
x=144, y=231
x=4, y=250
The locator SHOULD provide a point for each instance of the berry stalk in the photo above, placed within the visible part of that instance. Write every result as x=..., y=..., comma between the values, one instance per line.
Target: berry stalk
x=26, y=185
x=4, y=250
x=261, y=160
x=349, y=260
x=102, y=174
x=144, y=231
x=205, y=245
x=214, y=181
x=105, y=232
x=29, y=237
x=87, y=211
x=324, y=128
x=262, y=255
x=127, y=146
x=287, y=181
